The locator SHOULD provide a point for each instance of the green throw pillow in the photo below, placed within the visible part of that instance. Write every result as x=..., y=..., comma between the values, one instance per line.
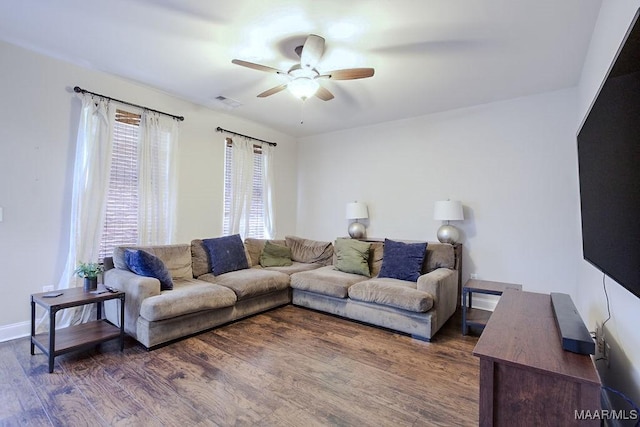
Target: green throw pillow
x=352, y=256
x=275, y=255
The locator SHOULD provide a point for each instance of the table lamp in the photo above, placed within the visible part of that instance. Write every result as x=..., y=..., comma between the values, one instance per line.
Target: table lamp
x=448, y=210
x=357, y=210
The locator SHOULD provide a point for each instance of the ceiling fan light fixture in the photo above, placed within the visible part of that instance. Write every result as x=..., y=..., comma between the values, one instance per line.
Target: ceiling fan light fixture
x=303, y=87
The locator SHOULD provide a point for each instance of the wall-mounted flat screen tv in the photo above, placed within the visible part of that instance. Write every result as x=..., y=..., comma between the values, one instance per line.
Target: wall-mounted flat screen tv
x=609, y=169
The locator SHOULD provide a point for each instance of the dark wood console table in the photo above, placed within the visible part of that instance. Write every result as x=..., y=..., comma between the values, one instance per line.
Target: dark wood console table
x=526, y=378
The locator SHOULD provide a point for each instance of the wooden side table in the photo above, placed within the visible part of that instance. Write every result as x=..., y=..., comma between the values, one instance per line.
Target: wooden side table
x=475, y=316
x=76, y=337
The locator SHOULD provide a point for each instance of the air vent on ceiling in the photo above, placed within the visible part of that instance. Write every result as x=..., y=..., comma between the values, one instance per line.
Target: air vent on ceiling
x=228, y=102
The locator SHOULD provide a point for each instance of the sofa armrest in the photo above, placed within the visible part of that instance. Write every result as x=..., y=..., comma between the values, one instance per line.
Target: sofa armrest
x=137, y=288
x=442, y=283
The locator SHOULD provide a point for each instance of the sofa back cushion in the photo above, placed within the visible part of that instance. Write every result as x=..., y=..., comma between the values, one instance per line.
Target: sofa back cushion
x=176, y=258
x=375, y=257
x=199, y=258
x=310, y=251
x=439, y=255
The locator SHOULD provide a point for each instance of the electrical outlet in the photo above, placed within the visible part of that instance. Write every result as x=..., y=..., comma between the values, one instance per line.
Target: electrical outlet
x=473, y=276
x=48, y=288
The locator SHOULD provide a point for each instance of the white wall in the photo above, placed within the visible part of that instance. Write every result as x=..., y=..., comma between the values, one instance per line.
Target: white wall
x=623, y=372
x=37, y=142
x=511, y=163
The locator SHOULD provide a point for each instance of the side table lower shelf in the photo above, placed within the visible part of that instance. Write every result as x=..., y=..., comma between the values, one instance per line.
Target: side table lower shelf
x=77, y=337
x=476, y=316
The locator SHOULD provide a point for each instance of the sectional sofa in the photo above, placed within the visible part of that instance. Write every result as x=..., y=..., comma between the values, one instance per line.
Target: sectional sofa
x=210, y=282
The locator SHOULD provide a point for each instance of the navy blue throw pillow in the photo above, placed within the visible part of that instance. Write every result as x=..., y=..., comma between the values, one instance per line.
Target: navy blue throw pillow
x=226, y=254
x=402, y=260
x=148, y=265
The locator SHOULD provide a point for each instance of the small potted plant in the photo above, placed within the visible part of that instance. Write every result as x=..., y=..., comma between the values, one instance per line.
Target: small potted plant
x=89, y=272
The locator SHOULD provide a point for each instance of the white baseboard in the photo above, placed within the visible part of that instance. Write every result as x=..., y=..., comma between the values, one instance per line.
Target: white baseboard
x=15, y=330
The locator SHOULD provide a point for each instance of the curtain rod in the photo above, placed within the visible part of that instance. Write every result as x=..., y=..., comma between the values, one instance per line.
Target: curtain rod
x=219, y=129
x=78, y=89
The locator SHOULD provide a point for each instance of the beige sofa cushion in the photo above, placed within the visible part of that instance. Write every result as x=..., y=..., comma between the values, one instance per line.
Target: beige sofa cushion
x=250, y=282
x=187, y=296
x=326, y=281
x=375, y=257
x=199, y=258
x=296, y=267
x=306, y=250
x=392, y=293
x=439, y=255
x=177, y=258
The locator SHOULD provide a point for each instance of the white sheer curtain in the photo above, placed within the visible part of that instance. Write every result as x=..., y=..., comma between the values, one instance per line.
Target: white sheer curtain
x=156, y=179
x=90, y=185
x=241, y=186
x=268, y=192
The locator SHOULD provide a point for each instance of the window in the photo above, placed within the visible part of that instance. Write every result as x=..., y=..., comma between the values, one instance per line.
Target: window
x=121, y=220
x=257, y=210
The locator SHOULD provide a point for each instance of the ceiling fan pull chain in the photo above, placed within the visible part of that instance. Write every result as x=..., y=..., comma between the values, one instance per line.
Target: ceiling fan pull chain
x=302, y=111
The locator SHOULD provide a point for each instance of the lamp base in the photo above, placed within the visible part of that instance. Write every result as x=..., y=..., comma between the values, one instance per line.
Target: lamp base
x=357, y=230
x=448, y=234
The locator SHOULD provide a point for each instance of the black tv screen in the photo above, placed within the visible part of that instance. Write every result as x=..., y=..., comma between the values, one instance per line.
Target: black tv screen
x=609, y=169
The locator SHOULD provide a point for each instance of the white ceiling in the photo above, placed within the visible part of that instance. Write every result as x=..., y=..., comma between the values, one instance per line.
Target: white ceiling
x=428, y=55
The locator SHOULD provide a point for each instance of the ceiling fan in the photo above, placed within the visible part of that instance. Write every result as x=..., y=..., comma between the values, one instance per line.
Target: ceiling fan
x=303, y=77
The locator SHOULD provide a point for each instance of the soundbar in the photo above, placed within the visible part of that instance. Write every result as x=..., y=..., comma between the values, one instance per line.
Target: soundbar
x=575, y=335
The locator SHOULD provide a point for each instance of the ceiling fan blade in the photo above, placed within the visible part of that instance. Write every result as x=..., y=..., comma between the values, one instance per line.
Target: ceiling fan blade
x=272, y=91
x=312, y=51
x=257, y=66
x=324, y=94
x=349, y=74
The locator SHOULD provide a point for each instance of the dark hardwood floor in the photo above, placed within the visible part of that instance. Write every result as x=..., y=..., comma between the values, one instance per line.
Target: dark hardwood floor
x=287, y=367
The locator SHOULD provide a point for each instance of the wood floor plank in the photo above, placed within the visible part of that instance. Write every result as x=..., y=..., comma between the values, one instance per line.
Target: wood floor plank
x=154, y=391
x=106, y=396
x=220, y=397
x=286, y=367
x=63, y=403
x=20, y=405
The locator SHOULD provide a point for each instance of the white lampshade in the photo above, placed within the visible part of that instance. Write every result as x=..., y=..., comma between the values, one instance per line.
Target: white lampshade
x=448, y=210
x=303, y=87
x=357, y=210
